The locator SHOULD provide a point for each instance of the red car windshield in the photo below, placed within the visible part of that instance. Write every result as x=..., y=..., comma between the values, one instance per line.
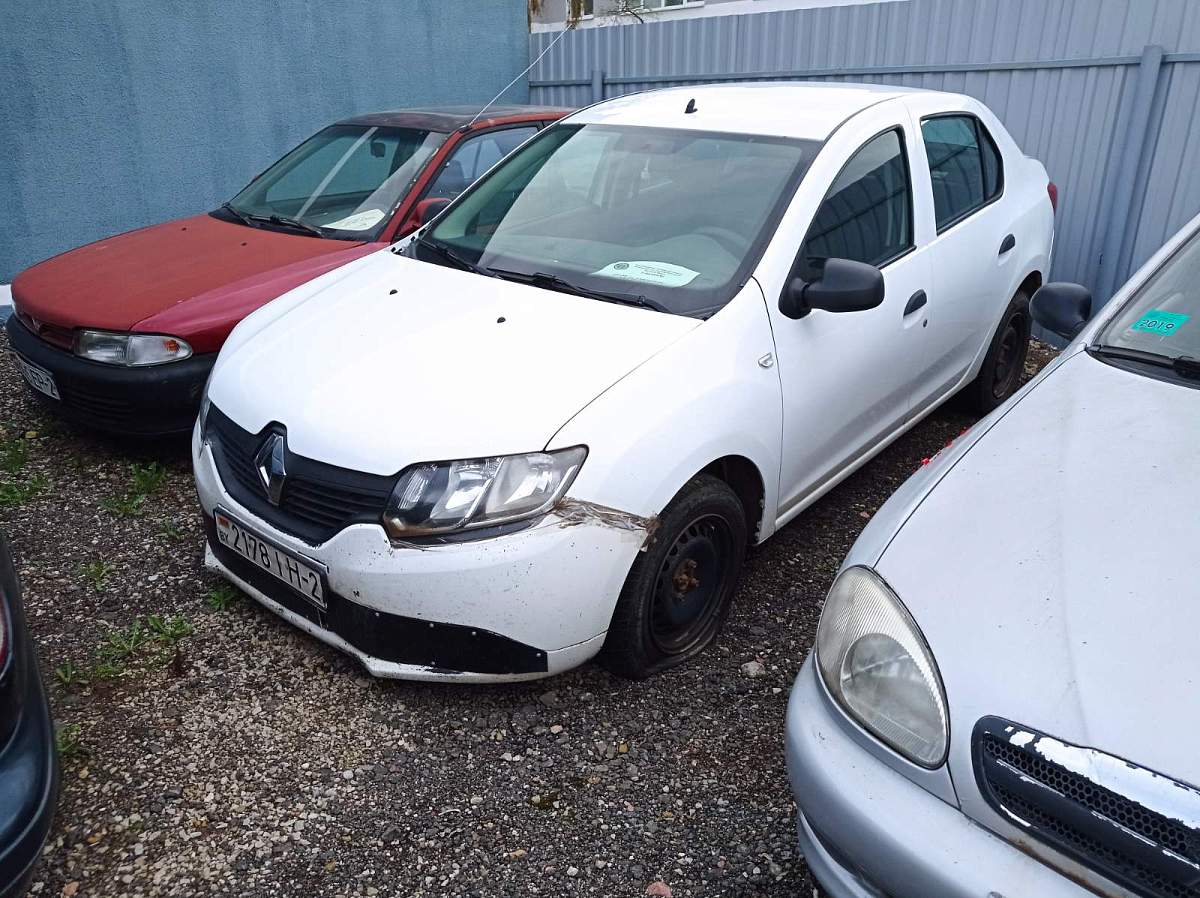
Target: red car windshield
x=344, y=182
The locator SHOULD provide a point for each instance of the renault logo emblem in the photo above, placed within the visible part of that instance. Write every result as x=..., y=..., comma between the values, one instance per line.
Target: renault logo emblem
x=269, y=464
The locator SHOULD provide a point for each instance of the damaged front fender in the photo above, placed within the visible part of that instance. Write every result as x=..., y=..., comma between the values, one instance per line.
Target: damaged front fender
x=572, y=512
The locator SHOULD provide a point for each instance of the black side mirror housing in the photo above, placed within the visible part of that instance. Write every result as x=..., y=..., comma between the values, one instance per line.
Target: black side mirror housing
x=1062, y=308
x=844, y=286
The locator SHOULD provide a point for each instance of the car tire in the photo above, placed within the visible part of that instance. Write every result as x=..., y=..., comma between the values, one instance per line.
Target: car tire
x=680, y=588
x=1000, y=375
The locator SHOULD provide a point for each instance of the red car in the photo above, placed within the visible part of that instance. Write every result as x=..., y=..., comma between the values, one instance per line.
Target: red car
x=120, y=334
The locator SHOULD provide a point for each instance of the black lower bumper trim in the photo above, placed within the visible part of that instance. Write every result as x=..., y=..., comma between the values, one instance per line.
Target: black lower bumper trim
x=392, y=637
x=156, y=400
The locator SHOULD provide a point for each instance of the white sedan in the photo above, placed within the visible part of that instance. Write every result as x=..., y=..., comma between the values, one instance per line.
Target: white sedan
x=550, y=426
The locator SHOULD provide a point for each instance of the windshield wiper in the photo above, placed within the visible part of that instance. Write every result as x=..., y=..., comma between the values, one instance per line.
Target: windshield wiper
x=554, y=282
x=294, y=223
x=449, y=255
x=237, y=213
x=1183, y=365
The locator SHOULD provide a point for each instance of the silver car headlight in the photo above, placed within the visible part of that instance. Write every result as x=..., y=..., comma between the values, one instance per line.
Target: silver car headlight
x=459, y=495
x=877, y=666
x=130, y=350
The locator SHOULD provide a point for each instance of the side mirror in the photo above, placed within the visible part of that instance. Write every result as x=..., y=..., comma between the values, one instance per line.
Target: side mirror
x=1062, y=309
x=844, y=286
x=428, y=210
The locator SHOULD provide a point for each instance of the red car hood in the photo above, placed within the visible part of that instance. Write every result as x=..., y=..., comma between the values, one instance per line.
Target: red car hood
x=193, y=278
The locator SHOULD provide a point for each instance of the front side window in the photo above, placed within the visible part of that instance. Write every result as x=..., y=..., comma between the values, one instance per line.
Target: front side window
x=674, y=217
x=867, y=214
x=473, y=157
x=964, y=165
x=1163, y=318
x=344, y=182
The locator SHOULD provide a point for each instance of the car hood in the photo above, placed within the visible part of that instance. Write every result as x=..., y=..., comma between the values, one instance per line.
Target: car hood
x=403, y=361
x=1052, y=569
x=193, y=278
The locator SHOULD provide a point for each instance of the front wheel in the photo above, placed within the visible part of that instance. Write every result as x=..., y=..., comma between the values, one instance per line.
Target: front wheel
x=679, y=590
x=1004, y=363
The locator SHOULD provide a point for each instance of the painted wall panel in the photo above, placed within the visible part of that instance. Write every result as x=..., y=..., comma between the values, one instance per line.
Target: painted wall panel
x=120, y=113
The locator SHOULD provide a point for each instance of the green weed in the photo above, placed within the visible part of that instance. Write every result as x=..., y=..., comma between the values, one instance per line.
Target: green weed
x=70, y=675
x=148, y=479
x=14, y=455
x=13, y=494
x=67, y=740
x=97, y=573
x=221, y=597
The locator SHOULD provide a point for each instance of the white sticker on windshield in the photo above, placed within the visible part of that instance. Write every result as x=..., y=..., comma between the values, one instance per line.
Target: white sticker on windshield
x=662, y=273
x=359, y=221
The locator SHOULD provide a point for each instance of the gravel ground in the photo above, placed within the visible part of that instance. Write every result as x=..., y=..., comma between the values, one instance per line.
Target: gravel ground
x=217, y=751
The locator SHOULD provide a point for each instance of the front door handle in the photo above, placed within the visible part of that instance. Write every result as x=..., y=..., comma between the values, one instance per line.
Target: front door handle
x=915, y=302
x=1007, y=244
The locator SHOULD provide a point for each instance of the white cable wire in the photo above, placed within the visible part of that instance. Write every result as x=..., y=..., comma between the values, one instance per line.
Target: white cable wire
x=519, y=77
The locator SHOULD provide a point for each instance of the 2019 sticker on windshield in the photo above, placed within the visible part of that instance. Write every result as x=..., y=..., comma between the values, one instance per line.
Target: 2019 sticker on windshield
x=359, y=221
x=664, y=274
x=1156, y=321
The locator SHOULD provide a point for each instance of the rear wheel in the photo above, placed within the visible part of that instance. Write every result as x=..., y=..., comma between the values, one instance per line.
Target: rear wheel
x=678, y=592
x=1005, y=360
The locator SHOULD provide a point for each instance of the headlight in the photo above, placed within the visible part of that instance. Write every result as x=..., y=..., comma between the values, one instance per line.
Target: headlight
x=460, y=495
x=132, y=350
x=202, y=418
x=875, y=663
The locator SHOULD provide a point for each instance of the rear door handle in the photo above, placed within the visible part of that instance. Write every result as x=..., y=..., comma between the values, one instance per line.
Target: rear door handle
x=1007, y=244
x=915, y=302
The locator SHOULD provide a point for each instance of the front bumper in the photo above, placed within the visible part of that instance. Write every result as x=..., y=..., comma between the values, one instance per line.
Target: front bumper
x=152, y=401
x=869, y=832
x=28, y=760
x=518, y=606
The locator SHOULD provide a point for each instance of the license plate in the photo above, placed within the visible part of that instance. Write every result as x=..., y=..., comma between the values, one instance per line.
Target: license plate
x=301, y=576
x=39, y=378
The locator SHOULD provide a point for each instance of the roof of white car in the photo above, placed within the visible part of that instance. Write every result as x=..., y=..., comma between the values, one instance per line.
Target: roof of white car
x=809, y=110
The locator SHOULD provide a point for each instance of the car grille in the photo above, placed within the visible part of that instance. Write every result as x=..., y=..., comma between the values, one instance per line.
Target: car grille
x=62, y=337
x=1136, y=827
x=318, y=499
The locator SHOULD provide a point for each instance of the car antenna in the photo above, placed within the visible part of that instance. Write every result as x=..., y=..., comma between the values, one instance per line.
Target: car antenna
x=691, y=106
x=493, y=100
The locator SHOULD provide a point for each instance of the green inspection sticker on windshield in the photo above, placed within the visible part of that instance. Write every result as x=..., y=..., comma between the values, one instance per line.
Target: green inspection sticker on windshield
x=662, y=273
x=1159, y=322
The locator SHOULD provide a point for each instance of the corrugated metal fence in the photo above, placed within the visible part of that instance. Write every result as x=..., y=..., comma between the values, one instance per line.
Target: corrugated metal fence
x=1104, y=92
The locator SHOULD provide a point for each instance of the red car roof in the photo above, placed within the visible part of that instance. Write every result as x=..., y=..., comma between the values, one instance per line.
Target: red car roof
x=451, y=118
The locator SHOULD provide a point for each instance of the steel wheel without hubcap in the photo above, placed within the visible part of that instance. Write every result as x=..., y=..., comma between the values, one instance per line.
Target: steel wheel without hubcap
x=1008, y=361
x=690, y=585
x=1000, y=374
x=680, y=587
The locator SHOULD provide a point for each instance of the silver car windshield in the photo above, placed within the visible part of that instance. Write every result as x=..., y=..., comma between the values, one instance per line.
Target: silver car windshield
x=671, y=219
x=1163, y=317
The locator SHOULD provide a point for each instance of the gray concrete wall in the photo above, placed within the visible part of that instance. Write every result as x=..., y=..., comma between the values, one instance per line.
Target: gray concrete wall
x=116, y=114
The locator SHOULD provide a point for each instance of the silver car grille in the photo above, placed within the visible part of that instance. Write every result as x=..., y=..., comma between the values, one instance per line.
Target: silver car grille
x=1136, y=827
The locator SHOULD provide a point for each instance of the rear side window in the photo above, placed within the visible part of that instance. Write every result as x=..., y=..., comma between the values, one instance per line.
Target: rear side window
x=867, y=214
x=964, y=165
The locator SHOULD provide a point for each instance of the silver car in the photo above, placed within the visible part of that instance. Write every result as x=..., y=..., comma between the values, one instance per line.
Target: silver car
x=1002, y=700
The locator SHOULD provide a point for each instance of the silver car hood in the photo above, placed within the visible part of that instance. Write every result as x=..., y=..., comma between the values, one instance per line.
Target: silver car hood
x=1053, y=569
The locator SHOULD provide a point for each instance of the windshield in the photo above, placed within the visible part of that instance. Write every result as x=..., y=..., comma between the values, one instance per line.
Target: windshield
x=675, y=219
x=1163, y=317
x=344, y=182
